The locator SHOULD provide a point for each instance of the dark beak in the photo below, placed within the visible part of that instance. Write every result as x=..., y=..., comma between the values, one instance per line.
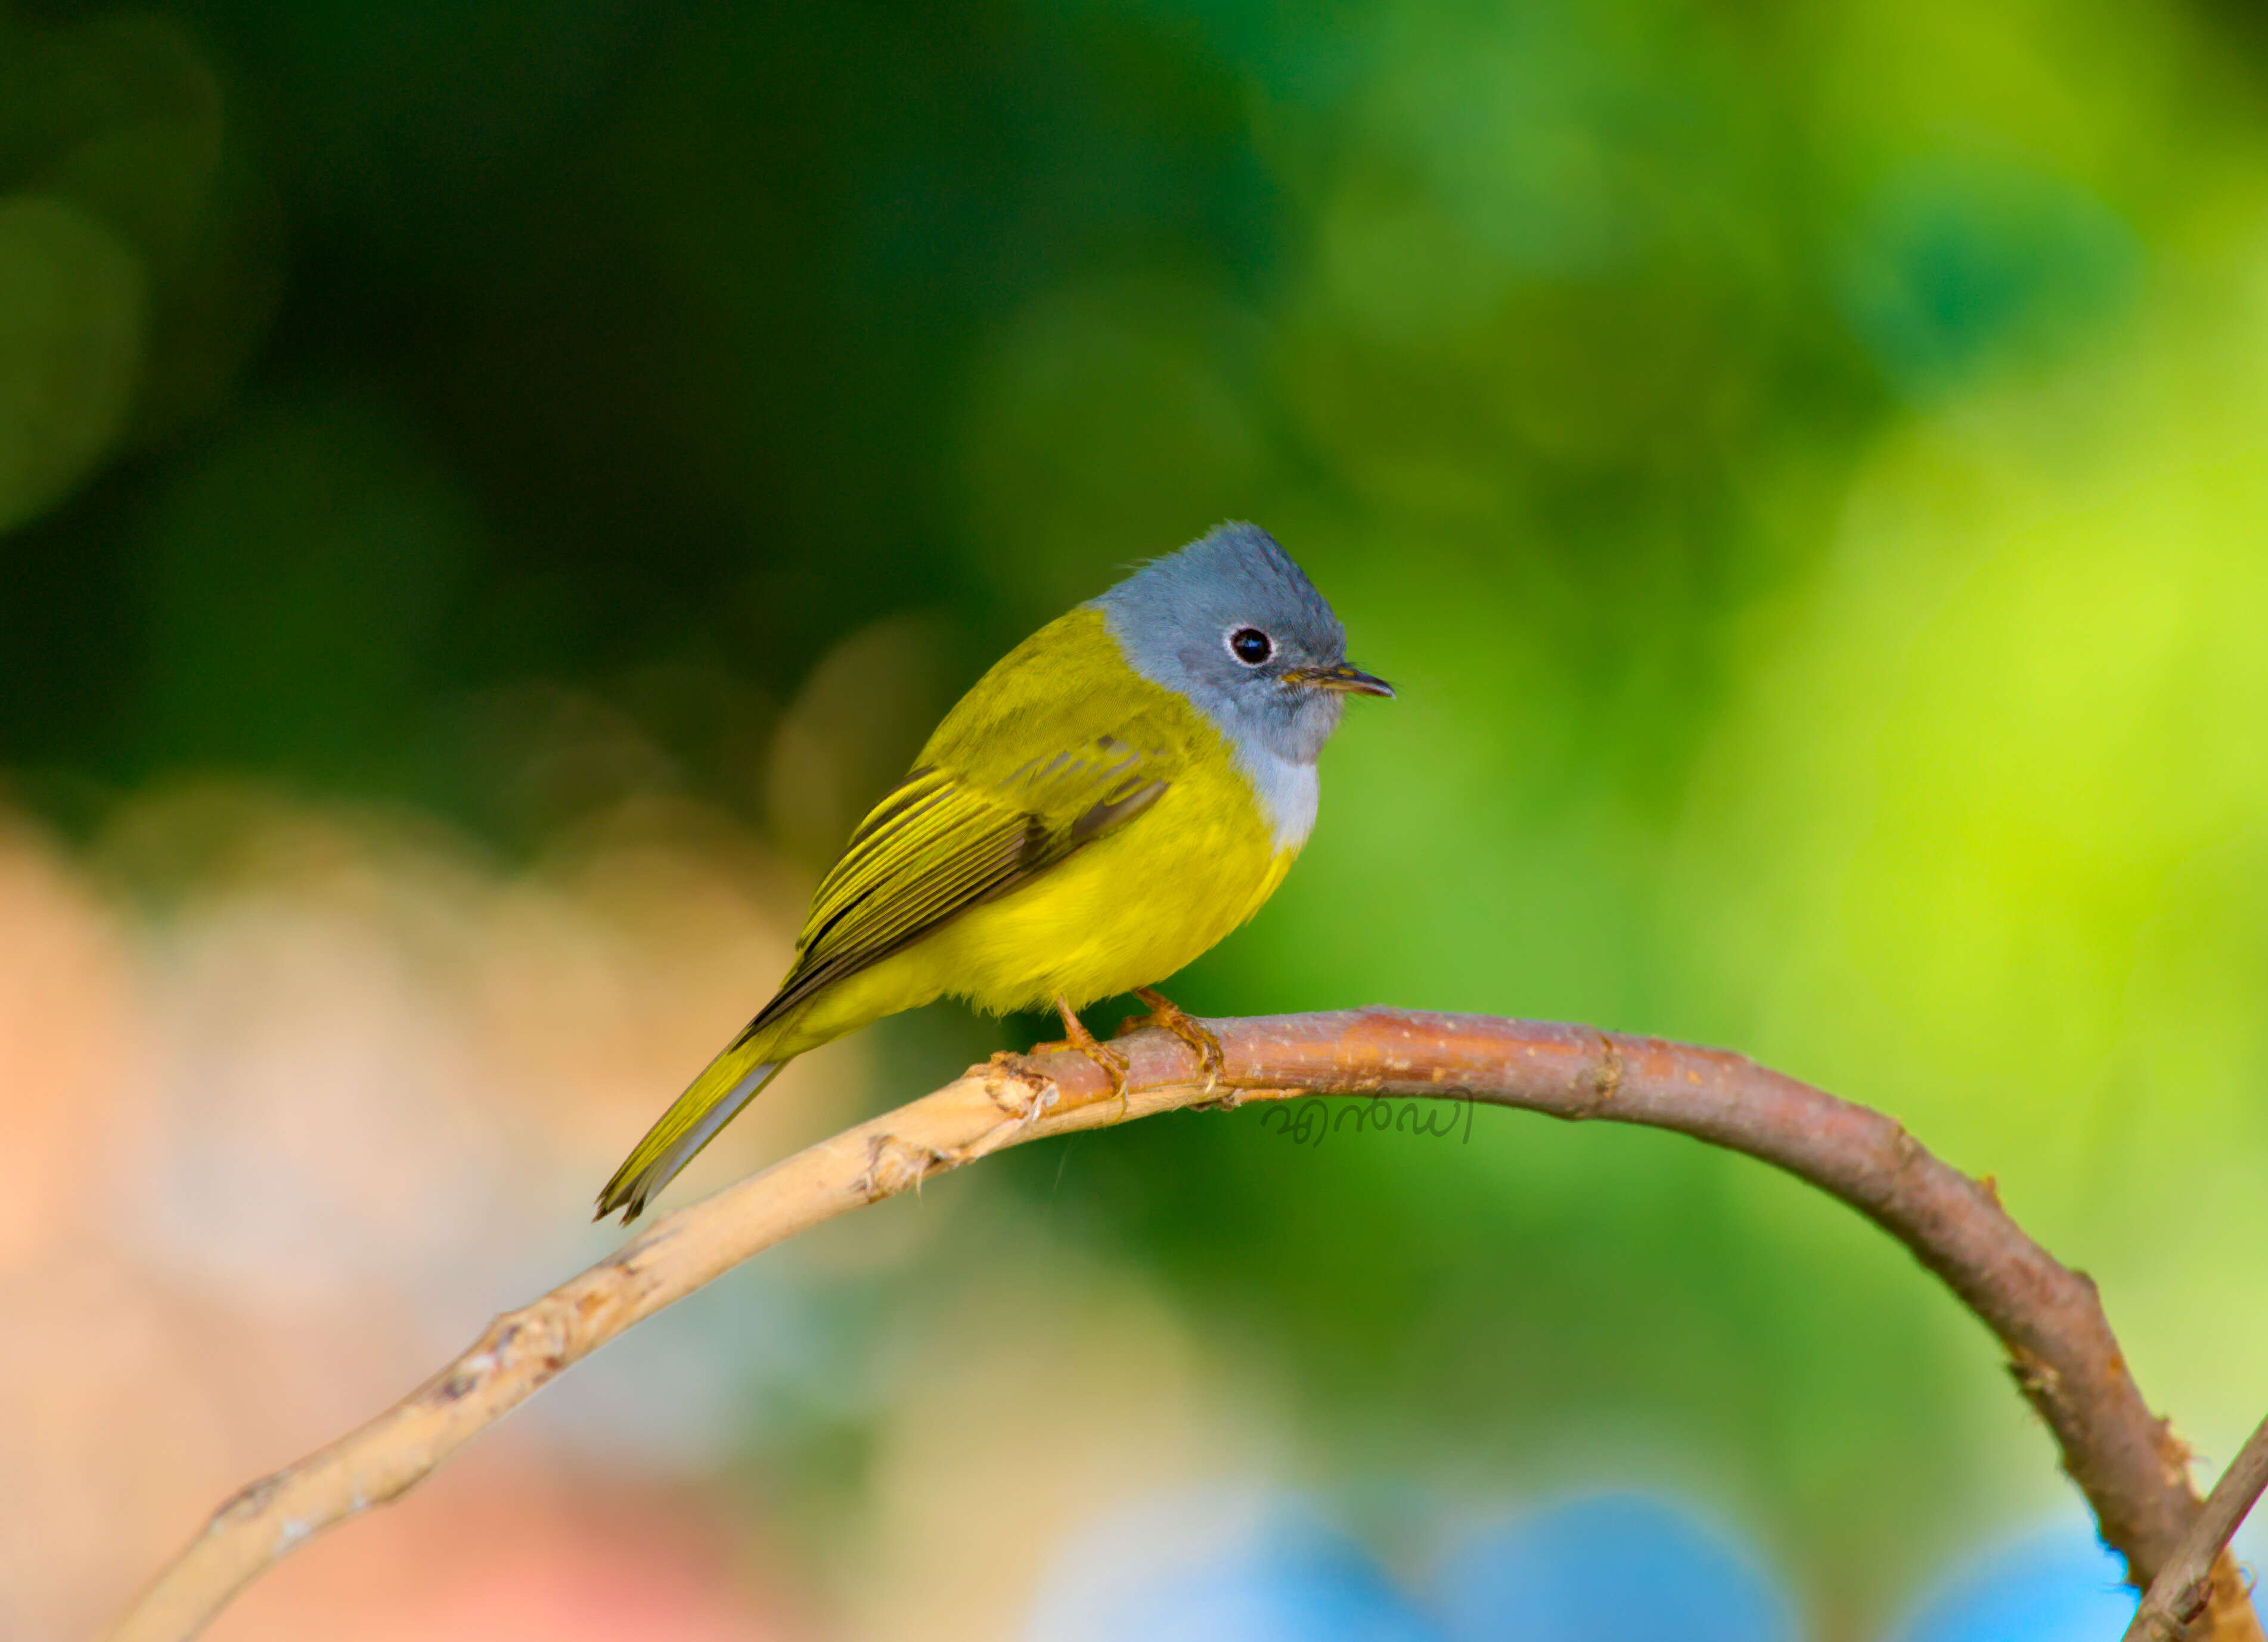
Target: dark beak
x=1345, y=679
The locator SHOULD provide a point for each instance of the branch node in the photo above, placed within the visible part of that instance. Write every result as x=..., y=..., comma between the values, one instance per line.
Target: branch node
x=247, y=1501
x=1606, y=1076
x=893, y=1165
x=1004, y=1075
x=2174, y=1454
x=2036, y=1378
x=1227, y=1098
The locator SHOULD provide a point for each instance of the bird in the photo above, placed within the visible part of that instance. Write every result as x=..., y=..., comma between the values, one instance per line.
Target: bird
x=1113, y=797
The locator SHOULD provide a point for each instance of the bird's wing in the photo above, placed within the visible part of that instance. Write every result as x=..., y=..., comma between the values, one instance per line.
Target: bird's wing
x=942, y=842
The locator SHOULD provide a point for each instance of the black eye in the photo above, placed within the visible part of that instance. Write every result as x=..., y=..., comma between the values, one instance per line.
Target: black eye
x=1250, y=645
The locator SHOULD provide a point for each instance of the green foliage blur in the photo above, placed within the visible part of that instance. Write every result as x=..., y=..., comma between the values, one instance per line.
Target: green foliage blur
x=1802, y=466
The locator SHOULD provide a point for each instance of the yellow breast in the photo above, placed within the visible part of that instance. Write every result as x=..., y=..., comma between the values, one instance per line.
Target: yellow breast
x=1139, y=902
x=1130, y=909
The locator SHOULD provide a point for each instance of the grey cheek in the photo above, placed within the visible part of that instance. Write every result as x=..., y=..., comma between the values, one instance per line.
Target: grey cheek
x=1204, y=661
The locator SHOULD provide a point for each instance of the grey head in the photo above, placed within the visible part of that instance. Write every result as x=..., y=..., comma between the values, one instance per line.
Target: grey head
x=1232, y=624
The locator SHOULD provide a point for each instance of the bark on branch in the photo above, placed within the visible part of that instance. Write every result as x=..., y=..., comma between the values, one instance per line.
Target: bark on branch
x=2132, y=1470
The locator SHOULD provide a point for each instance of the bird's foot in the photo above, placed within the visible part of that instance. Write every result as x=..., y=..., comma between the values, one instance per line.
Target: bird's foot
x=1167, y=1013
x=1113, y=1063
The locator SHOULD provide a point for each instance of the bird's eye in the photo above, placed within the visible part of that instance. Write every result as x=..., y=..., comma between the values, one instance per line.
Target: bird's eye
x=1250, y=645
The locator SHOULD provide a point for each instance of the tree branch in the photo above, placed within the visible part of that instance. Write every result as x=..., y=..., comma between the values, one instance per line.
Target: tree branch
x=2191, y=1580
x=2061, y=1351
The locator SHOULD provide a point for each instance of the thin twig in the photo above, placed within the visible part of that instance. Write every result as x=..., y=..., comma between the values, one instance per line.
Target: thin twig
x=2201, y=1571
x=2132, y=1472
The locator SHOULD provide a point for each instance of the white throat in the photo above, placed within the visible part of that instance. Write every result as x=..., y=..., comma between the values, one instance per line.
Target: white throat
x=1288, y=791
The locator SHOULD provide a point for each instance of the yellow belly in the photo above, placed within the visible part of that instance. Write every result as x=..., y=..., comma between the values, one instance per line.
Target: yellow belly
x=1127, y=911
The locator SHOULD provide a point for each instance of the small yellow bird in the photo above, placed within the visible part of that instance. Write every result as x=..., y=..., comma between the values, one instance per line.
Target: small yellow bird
x=1121, y=791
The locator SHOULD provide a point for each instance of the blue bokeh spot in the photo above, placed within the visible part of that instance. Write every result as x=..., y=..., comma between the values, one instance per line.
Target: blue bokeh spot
x=1609, y=1568
x=2058, y=1588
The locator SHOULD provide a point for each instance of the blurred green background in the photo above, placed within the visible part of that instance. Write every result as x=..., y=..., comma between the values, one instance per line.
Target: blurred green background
x=1801, y=464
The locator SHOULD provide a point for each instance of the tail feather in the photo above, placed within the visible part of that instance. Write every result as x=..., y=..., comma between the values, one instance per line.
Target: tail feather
x=729, y=1083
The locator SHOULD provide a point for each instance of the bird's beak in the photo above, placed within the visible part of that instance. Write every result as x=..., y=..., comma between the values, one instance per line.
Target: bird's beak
x=1345, y=679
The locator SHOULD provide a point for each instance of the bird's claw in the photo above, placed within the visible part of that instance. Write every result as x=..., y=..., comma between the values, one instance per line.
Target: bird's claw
x=1211, y=1059
x=1115, y=1064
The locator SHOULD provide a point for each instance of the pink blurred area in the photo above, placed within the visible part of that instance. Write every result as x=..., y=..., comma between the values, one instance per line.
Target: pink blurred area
x=295, y=1099
x=502, y=1549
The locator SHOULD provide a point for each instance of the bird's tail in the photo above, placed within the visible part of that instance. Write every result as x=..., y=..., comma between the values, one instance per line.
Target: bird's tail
x=728, y=1083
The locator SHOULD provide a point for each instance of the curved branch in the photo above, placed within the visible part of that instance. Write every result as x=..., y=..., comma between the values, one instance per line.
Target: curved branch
x=2133, y=1472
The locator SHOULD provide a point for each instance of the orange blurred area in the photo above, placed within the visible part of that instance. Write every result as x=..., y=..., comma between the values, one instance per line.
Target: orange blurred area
x=502, y=1548
x=296, y=1098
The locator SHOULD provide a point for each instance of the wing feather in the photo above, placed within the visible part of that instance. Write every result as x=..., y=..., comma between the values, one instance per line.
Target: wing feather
x=940, y=842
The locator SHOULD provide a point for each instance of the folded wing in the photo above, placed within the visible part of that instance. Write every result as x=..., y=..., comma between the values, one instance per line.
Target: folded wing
x=940, y=844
